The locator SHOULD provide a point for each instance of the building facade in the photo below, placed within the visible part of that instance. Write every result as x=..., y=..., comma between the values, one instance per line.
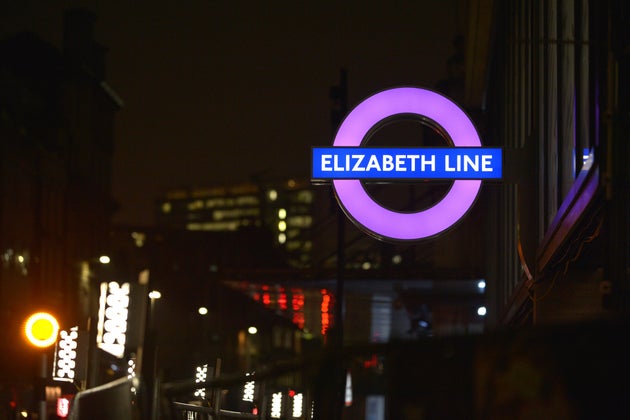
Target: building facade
x=549, y=80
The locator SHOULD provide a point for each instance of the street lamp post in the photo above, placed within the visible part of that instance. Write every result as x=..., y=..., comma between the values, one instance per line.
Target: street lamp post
x=41, y=330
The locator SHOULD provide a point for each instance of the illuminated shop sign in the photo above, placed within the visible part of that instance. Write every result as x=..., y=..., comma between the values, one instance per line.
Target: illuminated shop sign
x=70, y=352
x=111, y=333
x=348, y=163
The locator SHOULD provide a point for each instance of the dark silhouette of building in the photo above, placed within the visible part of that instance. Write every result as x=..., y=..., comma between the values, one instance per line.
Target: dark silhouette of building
x=56, y=146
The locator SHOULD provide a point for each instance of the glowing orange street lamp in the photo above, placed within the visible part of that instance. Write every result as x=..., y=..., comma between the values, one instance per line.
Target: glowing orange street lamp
x=41, y=329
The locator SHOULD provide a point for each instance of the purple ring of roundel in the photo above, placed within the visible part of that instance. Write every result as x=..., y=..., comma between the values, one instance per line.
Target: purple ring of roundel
x=425, y=223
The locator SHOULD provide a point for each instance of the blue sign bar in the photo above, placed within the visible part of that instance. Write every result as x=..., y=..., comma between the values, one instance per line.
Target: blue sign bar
x=406, y=163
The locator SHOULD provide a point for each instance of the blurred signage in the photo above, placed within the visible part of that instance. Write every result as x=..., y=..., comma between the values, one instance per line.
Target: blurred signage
x=348, y=163
x=70, y=356
x=111, y=332
x=63, y=406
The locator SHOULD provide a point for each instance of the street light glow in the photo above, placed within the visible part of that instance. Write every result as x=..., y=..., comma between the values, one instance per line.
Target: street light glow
x=203, y=310
x=252, y=330
x=104, y=259
x=41, y=329
x=155, y=294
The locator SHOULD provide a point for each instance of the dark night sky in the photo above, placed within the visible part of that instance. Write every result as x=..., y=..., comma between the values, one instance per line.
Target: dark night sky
x=216, y=91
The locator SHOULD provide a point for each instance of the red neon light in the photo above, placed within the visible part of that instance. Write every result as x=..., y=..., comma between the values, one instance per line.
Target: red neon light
x=371, y=363
x=63, y=407
x=297, y=305
x=266, y=299
x=325, y=310
x=282, y=301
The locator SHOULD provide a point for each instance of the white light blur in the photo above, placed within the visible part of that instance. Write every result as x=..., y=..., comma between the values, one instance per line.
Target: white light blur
x=481, y=311
x=282, y=238
x=273, y=195
x=201, y=374
x=276, y=405
x=348, y=393
x=104, y=259
x=155, y=294
x=481, y=284
x=282, y=225
x=203, y=310
x=249, y=390
x=298, y=406
x=252, y=330
x=282, y=213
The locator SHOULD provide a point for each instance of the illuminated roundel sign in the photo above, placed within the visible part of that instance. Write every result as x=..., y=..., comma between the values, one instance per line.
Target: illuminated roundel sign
x=41, y=329
x=347, y=163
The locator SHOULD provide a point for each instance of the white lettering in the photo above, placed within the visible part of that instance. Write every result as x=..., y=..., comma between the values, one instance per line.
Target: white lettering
x=447, y=165
x=336, y=166
x=400, y=163
x=470, y=163
x=424, y=162
x=326, y=163
x=412, y=160
x=486, y=163
x=373, y=164
x=388, y=163
x=357, y=165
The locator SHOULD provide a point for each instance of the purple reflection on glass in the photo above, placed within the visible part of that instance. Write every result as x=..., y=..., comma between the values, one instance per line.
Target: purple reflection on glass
x=382, y=222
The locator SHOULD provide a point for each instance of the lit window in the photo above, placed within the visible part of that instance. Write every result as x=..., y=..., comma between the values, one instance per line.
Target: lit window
x=282, y=213
x=272, y=195
x=166, y=207
x=138, y=238
x=195, y=205
x=282, y=238
x=301, y=221
x=305, y=196
x=282, y=225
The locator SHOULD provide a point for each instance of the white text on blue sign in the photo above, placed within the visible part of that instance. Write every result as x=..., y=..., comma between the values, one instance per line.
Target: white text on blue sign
x=406, y=163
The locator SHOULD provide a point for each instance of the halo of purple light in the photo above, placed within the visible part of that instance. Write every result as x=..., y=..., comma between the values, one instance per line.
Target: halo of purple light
x=384, y=223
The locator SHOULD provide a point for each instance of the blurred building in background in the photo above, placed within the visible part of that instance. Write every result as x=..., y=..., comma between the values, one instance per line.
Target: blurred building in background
x=285, y=208
x=56, y=147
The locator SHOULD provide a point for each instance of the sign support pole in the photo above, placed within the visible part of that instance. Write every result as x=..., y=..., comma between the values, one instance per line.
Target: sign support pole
x=43, y=375
x=341, y=262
